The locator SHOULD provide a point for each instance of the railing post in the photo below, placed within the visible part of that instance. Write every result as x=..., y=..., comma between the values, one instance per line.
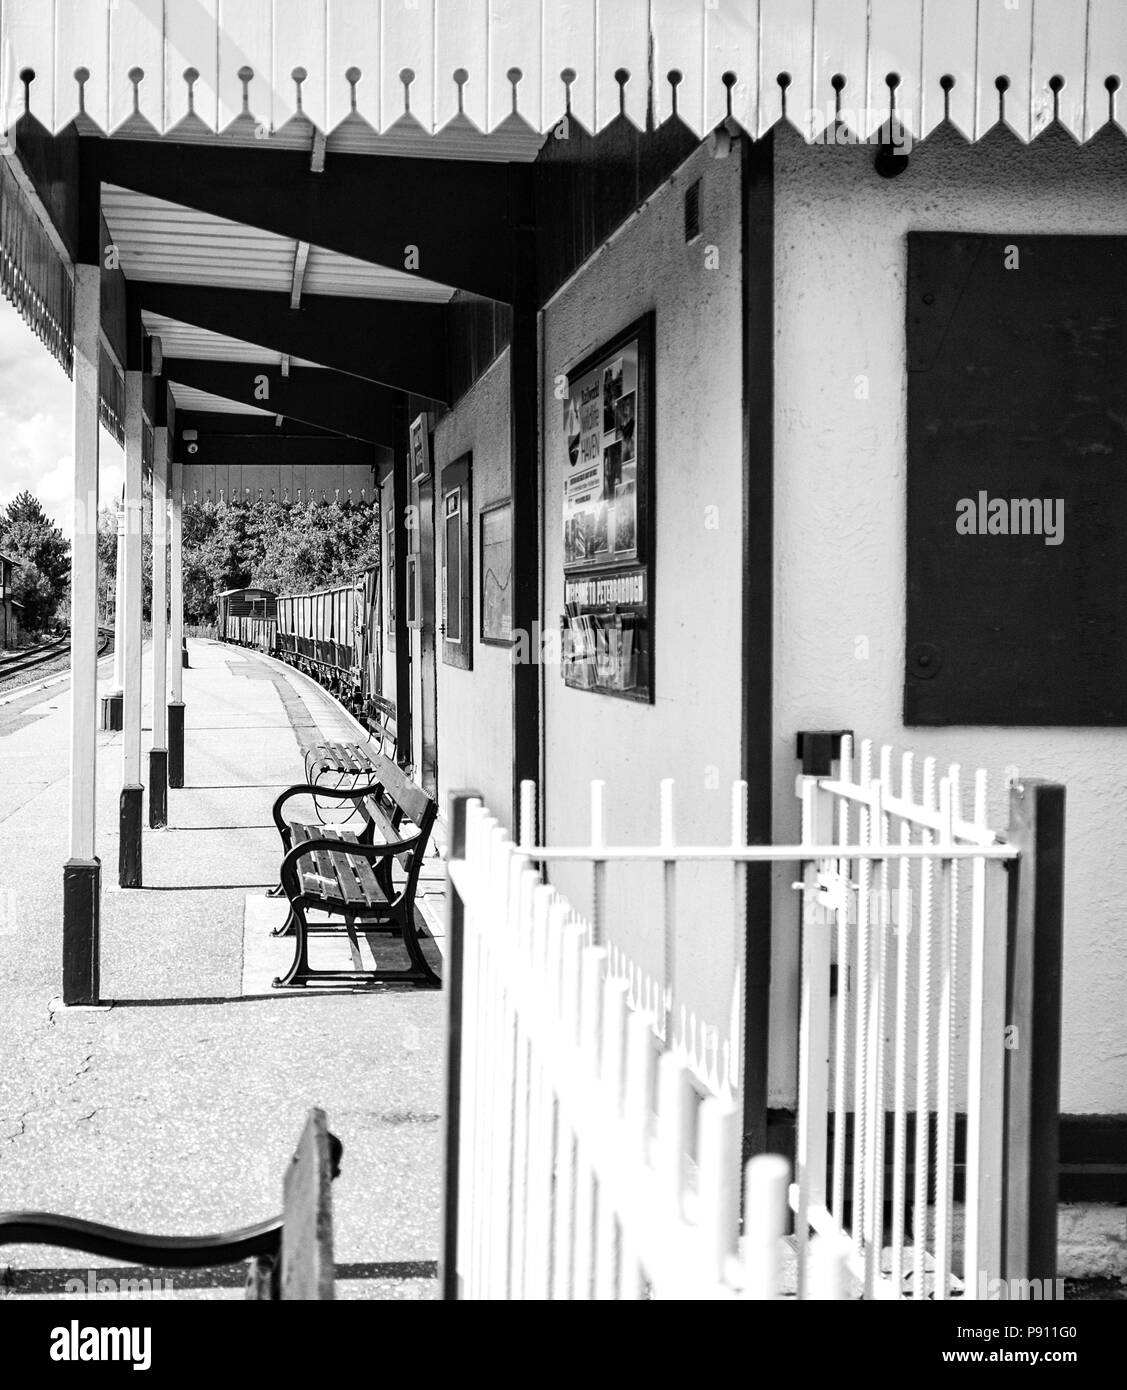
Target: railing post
x=449, y=1283
x=1031, y=1140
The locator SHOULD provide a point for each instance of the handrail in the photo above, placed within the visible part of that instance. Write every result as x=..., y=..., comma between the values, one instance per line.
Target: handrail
x=140, y=1247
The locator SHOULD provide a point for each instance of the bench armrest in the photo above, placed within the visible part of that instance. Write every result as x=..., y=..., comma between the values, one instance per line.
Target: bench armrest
x=372, y=853
x=139, y=1247
x=308, y=789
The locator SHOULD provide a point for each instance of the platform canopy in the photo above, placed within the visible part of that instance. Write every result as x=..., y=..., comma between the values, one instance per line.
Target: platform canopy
x=456, y=71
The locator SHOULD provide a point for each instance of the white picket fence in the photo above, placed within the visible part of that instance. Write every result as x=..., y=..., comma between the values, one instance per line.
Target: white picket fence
x=588, y=1166
x=589, y=1162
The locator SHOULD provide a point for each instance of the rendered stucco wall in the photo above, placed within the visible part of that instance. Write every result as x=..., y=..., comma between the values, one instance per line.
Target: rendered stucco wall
x=475, y=737
x=841, y=260
x=692, y=731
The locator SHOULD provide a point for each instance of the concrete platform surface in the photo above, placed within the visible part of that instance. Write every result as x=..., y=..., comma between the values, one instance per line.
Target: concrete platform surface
x=176, y=1108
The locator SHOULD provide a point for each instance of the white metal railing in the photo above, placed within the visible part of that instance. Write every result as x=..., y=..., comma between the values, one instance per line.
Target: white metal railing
x=586, y=1164
x=916, y=944
x=886, y=905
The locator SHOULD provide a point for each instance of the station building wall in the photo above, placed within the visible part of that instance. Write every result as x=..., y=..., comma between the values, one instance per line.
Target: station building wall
x=475, y=733
x=840, y=498
x=692, y=731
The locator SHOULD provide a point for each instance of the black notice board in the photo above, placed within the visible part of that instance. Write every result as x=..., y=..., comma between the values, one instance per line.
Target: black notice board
x=1017, y=394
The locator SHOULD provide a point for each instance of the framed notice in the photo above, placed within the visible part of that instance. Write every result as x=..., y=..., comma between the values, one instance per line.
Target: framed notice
x=389, y=570
x=608, y=518
x=496, y=551
x=420, y=447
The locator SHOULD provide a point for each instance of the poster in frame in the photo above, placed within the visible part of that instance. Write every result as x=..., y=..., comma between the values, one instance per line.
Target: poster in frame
x=496, y=564
x=608, y=530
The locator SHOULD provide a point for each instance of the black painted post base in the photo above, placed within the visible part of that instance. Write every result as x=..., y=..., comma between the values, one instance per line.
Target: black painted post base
x=112, y=704
x=158, y=788
x=82, y=896
x=129, y=850
x=176, y=744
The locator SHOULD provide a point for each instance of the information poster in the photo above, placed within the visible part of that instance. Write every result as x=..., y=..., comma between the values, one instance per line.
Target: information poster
x=606, y=626
x=600, y=508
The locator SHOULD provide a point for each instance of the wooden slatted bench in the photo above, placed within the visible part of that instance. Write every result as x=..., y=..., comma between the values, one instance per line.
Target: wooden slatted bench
x=290, y=1257
x=354, y=760
x=349, y=875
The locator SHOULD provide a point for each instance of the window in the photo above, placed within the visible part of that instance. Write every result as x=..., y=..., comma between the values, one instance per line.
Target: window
x=457, y=581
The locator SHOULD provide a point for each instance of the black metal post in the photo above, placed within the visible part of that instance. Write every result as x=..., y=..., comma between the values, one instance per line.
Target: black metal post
x=130, y=816
x=176, y=743
x=82, y=893
x=449, y=1283
x=158, y=788
x=1031, y=1125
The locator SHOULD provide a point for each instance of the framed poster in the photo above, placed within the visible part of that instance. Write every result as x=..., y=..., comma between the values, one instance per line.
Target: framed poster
x=608, y=518
x=420, y=447
x=496, y=551
x=389, y=571
x=457, y=571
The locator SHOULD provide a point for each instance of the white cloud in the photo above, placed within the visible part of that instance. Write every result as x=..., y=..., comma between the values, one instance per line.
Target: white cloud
x=36, y=414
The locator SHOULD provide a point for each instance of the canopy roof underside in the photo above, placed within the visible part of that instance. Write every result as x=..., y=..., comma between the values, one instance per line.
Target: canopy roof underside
x=439, y=76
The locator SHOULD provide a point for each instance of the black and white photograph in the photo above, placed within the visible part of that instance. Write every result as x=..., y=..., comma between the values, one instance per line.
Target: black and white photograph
x=563, y=670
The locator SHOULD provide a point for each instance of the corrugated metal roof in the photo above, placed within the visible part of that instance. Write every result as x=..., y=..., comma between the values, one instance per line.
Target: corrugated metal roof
x=188, y=398
x=158, y=240
x=455, y=67
x=186, y=340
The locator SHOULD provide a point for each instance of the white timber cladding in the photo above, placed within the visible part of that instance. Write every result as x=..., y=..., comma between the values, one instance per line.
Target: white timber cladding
x=466, y=67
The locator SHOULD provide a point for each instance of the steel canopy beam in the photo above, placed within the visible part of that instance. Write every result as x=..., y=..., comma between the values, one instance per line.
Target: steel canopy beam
x=276, y=450
x=388, y=210
x=399, y=343
x=331, y=400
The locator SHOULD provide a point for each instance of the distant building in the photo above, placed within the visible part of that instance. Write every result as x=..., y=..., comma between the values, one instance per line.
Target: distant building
x=10, y=610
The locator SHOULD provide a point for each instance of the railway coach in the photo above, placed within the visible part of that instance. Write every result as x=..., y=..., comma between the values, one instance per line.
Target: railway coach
x=247, y=617
x=333, y=635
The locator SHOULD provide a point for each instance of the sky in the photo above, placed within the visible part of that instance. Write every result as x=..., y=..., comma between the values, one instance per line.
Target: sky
x=36, y=410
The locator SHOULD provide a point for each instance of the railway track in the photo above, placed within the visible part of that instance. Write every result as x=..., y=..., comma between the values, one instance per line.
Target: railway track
x=46, y=653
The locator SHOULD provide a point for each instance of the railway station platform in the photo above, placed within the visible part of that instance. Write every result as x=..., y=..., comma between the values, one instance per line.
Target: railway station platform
x=174, y=1107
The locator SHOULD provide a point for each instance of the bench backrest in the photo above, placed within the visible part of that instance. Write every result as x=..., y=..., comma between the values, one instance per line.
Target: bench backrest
x=402, y=800
x=382, y=724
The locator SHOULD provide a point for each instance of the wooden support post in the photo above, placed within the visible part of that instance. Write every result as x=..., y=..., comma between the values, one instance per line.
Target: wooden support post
x=176, y=631
x=82, y=880
x=448, y=1281
x=1031, y=1139
x=524, y=485
x=132, y=790
x=401, y=445
x=158, y=757
x=757, y=752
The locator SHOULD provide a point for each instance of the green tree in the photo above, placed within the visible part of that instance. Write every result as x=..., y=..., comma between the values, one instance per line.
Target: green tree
x=32, y=589
x=30, y=537
x=273, y=545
